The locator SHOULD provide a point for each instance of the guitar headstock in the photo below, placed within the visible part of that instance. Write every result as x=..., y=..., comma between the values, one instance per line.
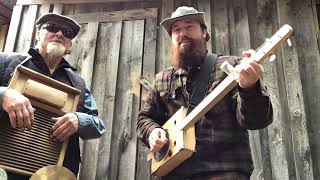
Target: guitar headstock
x=266, y=49
x=272, y=43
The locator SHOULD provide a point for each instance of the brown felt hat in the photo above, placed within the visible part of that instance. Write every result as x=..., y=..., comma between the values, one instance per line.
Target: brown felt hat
x=183, y=12
x=59, y=18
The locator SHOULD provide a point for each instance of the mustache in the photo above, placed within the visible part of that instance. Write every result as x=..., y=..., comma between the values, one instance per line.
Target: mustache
x=57, y=40
x=185, y=39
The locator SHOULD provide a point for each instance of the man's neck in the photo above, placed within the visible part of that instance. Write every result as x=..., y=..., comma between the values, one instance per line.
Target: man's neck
x=51, y=61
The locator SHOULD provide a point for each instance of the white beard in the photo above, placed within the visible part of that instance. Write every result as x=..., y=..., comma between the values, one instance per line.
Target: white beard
x=55, y=49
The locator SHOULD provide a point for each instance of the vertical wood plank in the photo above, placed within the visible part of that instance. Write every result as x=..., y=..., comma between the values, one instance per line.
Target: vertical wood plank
x=221, y=32
x=148, y=72
x=178, y=3
x=232, y=29
x=309, y=68
x=26, y=37
x=316, y=20
x=68, y=9
x=78, y=47
x=105, y=80
x=131, y=64
x=44, y=8
x=13, y=28
x=164, y=51
x=262, y=16
x=205, y=6
x=241, y=26
x=90, y=147
x=57, y=8
x=3, y=35
x=88, y=55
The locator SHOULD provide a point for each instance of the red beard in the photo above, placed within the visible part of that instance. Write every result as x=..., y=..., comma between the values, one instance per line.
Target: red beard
x=189, y=54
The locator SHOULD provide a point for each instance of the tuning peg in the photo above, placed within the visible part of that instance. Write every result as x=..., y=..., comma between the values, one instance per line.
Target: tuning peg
x=272, y=57
x=289, y=42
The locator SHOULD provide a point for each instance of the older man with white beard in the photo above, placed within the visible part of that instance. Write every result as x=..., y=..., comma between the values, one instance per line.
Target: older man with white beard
x=54, y=39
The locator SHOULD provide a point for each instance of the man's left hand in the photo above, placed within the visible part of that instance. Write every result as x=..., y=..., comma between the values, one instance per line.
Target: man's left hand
x=65, y=126
x=249, y=71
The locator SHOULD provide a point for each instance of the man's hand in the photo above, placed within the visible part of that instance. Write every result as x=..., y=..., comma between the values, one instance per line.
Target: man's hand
x=157, y=139
x=65, y=126
x=249, y=71
x=19, y=109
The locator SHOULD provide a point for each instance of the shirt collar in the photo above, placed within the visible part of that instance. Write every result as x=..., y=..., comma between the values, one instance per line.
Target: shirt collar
x=183, y=72
x=63, y=63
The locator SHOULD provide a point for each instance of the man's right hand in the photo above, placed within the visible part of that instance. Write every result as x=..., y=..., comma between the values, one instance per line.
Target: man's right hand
x=19, y=109
x=157, y=139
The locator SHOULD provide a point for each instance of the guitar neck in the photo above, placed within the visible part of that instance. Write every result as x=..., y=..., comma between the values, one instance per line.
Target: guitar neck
x=206, y=104
x=229, y=83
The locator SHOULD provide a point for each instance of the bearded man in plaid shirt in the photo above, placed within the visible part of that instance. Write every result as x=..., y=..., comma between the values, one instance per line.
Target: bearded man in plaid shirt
x=222, y=141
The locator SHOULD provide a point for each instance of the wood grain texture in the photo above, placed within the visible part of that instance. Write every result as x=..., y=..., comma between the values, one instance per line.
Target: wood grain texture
x=57, y=8
x=85, y=67
x=242, y=34
x=30, y=2
x=261, y=27
x=205, y=6
x=115, y=15
x=123, y=151
x=148, y=72
x=3, y=35
x=309, y=66
x=221, y=29
x=105, y=82
x=164, y=51
x=13, y=29
x=27, y=29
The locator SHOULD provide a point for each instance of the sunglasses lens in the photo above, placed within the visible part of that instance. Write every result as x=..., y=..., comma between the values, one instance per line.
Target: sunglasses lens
x=54, y=28
x=51, y=28
x=68, y=33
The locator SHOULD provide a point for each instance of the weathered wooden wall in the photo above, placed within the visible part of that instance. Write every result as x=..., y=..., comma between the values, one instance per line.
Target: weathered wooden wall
x=3, y=35
x=120, y=42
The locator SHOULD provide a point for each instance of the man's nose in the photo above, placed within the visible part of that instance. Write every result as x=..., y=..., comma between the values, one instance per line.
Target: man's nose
x=59, y=33
x=183, y=32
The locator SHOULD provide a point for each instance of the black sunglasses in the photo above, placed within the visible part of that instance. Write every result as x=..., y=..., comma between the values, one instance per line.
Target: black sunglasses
x=68, y=33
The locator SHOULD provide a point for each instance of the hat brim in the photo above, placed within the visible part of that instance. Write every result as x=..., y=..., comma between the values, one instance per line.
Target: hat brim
x=167, y=23
x=52, y=17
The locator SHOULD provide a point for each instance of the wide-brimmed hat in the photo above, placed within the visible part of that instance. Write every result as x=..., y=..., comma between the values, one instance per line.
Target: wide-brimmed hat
x=59, y=18
x=180, y=13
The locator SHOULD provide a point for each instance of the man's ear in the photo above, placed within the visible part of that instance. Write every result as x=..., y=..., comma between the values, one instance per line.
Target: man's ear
x=38, y=35
x=204, y=33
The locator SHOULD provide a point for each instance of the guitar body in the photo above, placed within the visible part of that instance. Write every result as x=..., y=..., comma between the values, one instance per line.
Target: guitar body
x=181, y=145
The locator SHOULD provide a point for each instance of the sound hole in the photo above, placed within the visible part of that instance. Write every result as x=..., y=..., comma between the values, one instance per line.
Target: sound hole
x=158, y=156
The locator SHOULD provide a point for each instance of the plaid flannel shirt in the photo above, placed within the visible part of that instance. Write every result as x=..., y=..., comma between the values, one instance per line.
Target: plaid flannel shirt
x=222, y=141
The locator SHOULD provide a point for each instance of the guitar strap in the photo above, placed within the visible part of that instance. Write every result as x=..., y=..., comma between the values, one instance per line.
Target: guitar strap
x=201, y=80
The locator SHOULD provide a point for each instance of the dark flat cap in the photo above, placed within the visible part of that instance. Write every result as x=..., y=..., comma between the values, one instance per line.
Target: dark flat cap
x=59, y=18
